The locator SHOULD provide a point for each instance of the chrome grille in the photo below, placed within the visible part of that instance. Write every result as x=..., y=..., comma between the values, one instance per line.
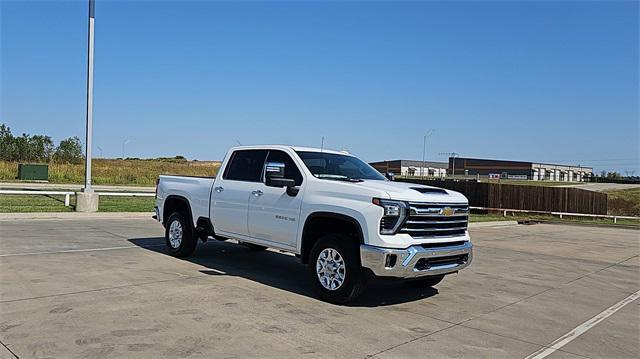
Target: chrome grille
x=436, y=220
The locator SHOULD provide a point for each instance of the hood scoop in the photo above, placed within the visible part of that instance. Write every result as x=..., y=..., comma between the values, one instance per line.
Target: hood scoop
x=429, y=190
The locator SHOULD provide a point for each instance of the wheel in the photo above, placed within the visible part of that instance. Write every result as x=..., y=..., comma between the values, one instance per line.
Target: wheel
x=334, y=267
x=254, y=247
x=426, y=281
x=179, y=238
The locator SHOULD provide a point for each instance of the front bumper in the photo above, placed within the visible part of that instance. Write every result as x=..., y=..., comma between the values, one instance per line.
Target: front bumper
x=417, y=260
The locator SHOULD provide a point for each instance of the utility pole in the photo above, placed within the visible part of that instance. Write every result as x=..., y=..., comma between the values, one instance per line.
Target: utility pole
x=87, y=200
x=424, y=151
x=322, y=144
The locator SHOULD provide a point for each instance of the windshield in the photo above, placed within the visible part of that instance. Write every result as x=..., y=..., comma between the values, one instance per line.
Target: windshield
x=339, y=167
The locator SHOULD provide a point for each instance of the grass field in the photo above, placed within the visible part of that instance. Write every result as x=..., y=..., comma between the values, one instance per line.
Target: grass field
x=31, y=203
x=119, y=172
x=624, y=202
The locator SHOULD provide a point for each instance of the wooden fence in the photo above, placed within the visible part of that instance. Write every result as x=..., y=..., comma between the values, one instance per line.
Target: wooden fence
x=535, y=198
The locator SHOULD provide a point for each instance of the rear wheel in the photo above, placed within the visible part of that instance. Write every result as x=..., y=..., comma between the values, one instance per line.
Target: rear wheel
x=426, y=281
x=334, y=267
x=179, y=238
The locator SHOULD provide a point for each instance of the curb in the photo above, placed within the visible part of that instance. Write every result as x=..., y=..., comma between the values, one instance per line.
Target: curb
x=75, y=215
x=493, y=224
x=596, y=225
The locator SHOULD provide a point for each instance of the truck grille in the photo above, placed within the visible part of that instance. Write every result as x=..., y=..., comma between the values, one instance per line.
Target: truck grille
x=427, y=220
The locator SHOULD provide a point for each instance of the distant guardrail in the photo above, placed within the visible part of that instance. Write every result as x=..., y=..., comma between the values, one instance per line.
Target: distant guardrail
x=67, y=194
x=559, y=214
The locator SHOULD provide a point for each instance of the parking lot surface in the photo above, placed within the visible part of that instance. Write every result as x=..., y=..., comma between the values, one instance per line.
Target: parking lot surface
x=103, y=288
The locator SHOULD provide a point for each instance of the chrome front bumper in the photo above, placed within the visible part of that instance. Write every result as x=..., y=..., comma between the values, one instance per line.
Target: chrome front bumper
x=416, y=261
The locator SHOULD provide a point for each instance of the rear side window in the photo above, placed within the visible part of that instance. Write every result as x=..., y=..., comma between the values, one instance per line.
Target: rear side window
x=245, y=165
x=291, y=171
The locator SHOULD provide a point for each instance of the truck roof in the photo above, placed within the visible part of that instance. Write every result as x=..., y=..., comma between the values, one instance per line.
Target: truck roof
x=295, y=148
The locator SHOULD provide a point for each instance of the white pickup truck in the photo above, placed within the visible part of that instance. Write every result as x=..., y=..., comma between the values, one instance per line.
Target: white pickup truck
x=332, y=210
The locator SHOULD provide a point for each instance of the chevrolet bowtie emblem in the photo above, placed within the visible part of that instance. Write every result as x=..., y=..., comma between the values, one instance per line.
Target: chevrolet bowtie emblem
x=447, y=211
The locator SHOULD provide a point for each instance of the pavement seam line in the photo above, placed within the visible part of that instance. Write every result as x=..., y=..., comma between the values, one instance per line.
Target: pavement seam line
x=98, y=289
x=9, y=350
x=517, y=339
x=497, y=309
x=582, y=328
x=461, y=323
x=78, y=250
x=411, y=341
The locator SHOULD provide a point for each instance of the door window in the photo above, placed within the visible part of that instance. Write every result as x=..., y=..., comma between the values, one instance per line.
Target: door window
x=246, y=165
x=291, y=171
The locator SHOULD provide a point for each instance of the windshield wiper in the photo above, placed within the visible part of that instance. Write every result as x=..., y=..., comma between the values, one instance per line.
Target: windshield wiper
x=338, y=177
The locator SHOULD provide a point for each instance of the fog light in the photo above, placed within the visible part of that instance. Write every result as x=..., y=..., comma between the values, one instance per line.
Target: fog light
x=390, y=260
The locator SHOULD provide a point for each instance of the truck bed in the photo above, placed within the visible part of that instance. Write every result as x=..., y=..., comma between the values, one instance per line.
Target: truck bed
x=195, y=189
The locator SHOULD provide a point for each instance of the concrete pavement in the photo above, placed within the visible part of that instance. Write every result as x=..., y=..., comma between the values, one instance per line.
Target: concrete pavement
x=105, y=289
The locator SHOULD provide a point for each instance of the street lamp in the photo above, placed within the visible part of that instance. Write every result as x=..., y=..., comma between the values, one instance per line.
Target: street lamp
x=124, y=144
x=87, y=200
x=89, y=133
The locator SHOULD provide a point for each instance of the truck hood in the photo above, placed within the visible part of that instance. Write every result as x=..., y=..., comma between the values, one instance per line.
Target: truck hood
x=415, y=192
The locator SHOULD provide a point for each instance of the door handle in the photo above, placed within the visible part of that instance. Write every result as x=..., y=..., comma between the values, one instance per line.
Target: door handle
x=257, y=193
x=218, y=189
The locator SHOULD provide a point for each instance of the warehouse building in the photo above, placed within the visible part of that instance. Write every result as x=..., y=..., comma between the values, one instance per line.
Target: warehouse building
x=412, y=168
x=518, y=170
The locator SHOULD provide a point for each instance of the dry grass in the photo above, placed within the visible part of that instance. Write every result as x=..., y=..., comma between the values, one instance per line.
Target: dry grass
x=624, y=202
x=118, y=172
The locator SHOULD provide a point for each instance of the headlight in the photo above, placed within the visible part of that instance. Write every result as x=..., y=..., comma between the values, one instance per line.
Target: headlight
x=394, y=214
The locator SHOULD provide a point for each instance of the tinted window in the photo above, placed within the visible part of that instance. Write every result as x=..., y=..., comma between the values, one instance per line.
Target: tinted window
x=338, y=167
x=291, y=171
x=246, y=165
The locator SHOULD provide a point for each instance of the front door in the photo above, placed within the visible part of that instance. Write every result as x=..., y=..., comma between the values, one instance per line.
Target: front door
x=231, y=191
x=274, y=215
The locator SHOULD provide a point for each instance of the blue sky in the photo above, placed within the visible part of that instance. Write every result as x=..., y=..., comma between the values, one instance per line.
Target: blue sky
x=542, y=81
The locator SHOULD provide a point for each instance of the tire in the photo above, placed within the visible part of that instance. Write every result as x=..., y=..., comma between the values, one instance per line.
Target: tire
x=344, y=283
x=426, y=281
x=178, y=236
x=254, y=247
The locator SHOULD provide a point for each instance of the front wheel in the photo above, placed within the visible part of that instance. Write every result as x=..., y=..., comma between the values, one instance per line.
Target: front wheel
x=334, y=267
x=179, y=238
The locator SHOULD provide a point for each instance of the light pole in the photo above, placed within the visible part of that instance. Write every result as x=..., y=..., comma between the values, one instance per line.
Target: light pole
x=89, y=133
x=453, y=162
x=87, y=200
x=124, y=144
x=424, y=151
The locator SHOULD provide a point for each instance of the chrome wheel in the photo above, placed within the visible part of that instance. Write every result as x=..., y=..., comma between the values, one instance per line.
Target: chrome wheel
x=175, y=234
x=330, y=269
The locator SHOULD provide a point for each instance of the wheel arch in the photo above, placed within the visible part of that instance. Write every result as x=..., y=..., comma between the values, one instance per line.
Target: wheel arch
x=175, y=203
x=315, y=227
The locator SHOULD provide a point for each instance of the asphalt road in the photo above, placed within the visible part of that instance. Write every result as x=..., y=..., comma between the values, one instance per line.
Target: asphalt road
x=104, y=288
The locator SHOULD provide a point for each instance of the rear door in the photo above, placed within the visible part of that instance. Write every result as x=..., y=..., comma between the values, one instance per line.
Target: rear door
x=231, y=191
x=273, y=214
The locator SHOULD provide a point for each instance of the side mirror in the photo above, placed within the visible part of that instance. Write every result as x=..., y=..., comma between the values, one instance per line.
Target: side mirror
x=274, y=177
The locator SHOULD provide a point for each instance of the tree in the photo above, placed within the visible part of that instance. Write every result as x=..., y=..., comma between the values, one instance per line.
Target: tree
x=7, y=143
x=69, y=151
